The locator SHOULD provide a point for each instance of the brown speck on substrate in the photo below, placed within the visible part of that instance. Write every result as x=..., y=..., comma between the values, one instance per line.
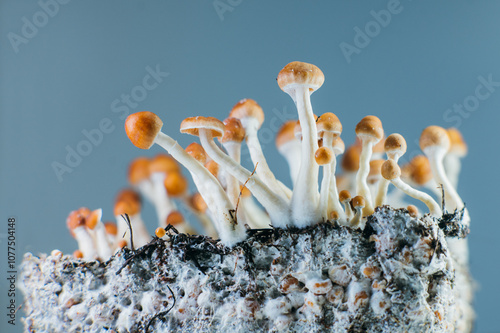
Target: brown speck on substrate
x=221, y=289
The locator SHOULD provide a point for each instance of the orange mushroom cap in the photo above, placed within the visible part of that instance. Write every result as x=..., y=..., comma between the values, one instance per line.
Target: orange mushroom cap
x=142, y=128
x=247, y=108
x=175, y=184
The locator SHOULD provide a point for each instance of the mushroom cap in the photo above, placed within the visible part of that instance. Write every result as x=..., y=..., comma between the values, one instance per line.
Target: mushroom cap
x=338, y=146
x=375, y=170
x=175, y=184
x=420, y=170
x=245, y=192
x=286, y=133
x=334, y=216
x=350, y=159
x=93, y=218
x=138, y=170
x=328, y=122
x=358, y=202
x=412, y=210
x=175, y=217
x=457, y=142
x=142, y=128
x=247, y=108
x=121, y=244
x=300, y=73
x=197, y=152
x=233, y=130
x=76, y=218
x=324, y=155
x=126, y=207
x=370, y=127
x=129, y=195
x=111, y=228
x=160, y=232
x=390, y=170
x=197, y=203
x=395, y=144
x=213, y=168
x=434, y=136
x=163, y=163
x=192, y=125
x=344, y=196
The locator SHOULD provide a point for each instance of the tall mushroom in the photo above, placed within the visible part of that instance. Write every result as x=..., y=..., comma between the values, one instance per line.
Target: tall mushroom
x=369, y=130
x=207, y=128
x=77, y=228
x=300, y=80
x=435, y=143
x=324, y=156
x=334, y=205
x=94, y=223
x=159, y=167
x=251, y=116
x=144, y=129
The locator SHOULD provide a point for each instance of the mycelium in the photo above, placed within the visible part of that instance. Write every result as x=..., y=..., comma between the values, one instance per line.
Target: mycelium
x=311, y=260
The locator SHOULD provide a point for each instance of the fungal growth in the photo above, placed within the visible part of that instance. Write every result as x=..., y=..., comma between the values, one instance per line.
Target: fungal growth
x=344, y=251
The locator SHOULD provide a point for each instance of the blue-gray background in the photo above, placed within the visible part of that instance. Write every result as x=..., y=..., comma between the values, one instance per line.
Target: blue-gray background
x=62, y=78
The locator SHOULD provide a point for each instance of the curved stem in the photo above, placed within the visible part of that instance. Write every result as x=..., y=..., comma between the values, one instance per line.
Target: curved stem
x=163, y=204
x=276, y=206
x=422, y=196
x=292, y=153
x=217, y=201
x=259, y=160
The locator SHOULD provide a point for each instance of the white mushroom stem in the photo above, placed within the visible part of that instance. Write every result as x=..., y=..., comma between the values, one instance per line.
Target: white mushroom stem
x=333, y=193
x=276, y=206
x=436, y=154
x=263, y=171
x=140, y=233
x=163, y=204
x=233, y=185
x=217, y=201
x=452, y=165
x=362, y=188
x=291, y=150
x=305, y=198
x=348, y=211
x=256, y=217
x=85, y=243
x=101, y=239
x=419, y=195
x=357, y=220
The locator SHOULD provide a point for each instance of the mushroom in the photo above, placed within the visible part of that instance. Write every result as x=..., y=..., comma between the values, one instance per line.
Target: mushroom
x=132, y=208
x=419, y=173
x=111, y=232
x=94, y=223
x=324, y=156
x=338, y=148
x=394, y=147
x=435, y=143
x=144, y=129
x=329, y=129
x=76, y=225
x=345, y=199
x=159, y=167
x=458, y=149
x=369, y=130
x=412, y=211
x=358, y=203
x=300, y=80
x=208, y=127
x=251, y=116
x=350, y=165
x=392, y=172
x=289, y=147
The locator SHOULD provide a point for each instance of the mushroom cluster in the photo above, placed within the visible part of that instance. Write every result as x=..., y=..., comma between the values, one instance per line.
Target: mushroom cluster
x=224, y=202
